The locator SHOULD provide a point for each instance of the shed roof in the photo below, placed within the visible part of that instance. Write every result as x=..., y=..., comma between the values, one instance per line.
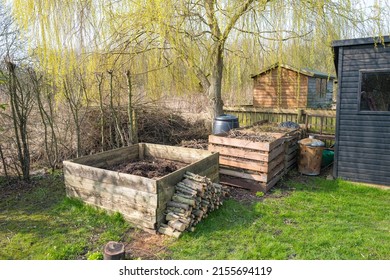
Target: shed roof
x=304, y=71
x=356, y=42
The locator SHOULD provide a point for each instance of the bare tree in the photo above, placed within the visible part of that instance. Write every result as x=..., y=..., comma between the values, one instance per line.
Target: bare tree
x=21, y=104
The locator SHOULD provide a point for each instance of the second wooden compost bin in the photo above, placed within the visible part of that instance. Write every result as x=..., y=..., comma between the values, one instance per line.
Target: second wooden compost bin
x=255, y=165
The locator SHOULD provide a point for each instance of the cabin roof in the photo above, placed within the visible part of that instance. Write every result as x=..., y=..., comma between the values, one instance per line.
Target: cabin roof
x=356, y=42
x=304, y=71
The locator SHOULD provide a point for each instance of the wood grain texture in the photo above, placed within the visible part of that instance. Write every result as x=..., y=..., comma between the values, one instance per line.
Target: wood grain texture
x=109, y=190
x=110, y=177
x=142, y=201
x=279, y=88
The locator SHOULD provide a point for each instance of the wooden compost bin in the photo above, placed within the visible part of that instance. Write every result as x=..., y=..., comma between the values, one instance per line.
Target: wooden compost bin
x=141, y=200
x=257, y=166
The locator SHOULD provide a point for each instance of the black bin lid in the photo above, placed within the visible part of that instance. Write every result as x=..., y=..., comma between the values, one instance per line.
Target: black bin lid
x=226, y=118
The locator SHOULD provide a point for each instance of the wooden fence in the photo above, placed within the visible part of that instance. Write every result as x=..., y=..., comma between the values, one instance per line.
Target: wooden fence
x=314, y=121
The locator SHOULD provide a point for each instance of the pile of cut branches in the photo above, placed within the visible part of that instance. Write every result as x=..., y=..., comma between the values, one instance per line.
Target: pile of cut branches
x=163, y=126
x=194, y=198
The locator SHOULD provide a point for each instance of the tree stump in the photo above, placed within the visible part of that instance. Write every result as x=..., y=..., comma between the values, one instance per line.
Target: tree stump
x=114, y=251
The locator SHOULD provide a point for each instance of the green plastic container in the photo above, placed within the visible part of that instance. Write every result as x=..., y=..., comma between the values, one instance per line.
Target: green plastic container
x=327, y=157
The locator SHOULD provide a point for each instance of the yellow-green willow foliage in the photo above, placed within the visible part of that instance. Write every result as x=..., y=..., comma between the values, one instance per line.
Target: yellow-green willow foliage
x=173, y=46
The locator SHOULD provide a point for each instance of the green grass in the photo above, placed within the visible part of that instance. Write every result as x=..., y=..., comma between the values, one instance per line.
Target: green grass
x=320, y=219
x=38, y=222
x=315, y=219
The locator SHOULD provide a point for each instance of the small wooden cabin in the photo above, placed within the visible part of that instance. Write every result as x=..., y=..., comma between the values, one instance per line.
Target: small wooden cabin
x=362, y=150
x=285, y=87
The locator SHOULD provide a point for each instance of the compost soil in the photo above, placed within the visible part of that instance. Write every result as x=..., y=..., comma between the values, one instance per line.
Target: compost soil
x=263, y=132
x=151, y=168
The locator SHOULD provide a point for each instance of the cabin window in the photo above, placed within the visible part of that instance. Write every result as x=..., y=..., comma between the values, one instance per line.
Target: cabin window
x=374, y=90
x=321, y=86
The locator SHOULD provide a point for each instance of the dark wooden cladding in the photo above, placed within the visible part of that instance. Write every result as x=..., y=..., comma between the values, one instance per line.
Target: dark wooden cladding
x=362, y=151
x=142, y=201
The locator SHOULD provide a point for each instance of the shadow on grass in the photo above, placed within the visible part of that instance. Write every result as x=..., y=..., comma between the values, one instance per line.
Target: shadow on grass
x=303, y=217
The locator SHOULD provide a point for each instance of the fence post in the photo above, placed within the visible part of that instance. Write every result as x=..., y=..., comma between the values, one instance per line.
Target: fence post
x=299, y=115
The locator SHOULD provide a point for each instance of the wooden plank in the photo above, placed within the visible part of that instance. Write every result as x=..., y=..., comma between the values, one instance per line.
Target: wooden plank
x=140, y=198
x=251, y=185
x=276, y=152
x=141, y=153
x=259, y=166
x=294, y=154
x=110, y=177
x=246, y=144
x=279, y=168
x=114, y=204
x=245, y=164
x=242, y=174
x=259, y=110
x=291, y=149
x=204, y=167
x=186, y=155
x=109, y=158
x=147, y=226
x=293, y=112
x=238, y=152
x=274, y=181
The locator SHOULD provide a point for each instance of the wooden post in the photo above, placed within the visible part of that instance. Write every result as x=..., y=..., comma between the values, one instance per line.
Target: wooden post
x=299, y=115
x=114, y=251
x=141, y=151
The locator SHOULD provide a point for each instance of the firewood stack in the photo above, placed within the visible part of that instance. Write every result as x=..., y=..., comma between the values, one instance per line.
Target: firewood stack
x=194, y=198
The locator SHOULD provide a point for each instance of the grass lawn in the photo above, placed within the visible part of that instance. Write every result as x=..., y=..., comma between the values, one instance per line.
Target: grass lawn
x=316, y=219
x=310, y=218
x=38, y=222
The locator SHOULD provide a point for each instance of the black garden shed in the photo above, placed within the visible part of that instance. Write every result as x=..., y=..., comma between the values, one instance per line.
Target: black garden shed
x=362, y=150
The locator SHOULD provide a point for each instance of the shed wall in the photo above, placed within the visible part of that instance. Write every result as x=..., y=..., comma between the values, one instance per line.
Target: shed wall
x=291, y=85
x=363, y=140
x=314, y=100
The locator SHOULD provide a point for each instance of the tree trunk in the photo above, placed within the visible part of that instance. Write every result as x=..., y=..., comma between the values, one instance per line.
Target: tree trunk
x=120, y=142
x=215, y=89
x=21, y=105
x=99, y=78
x=114, y=251
x=132, y=127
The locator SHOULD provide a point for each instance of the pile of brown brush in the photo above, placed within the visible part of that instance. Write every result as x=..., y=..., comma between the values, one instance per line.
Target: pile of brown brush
x=194, y=198
x=164, y=126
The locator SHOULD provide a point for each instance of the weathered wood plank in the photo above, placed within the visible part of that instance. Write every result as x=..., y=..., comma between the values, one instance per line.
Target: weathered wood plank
x=108, y=158
x=245, y=164
x=294, y=154
x=110, y=177
x=260, y=166
x=113, y=204
x=241, y=153
x=186, y=155
x=109, y=190
x=242, y=174
x=204, y=167
x=247, y=144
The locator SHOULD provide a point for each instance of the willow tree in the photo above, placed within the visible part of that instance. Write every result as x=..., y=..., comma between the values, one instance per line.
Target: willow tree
x=196, y=32
x=200, y=32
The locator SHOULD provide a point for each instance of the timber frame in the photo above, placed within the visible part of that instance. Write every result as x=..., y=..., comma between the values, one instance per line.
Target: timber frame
x=141, y=201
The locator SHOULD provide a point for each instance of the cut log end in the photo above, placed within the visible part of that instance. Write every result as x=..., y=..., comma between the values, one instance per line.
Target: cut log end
x=114, y=251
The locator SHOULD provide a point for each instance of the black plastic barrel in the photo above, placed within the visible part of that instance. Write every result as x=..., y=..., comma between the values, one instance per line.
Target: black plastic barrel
x=224, y=123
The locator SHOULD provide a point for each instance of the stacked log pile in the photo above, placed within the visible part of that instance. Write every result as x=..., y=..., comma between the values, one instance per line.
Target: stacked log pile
x=194, y=198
